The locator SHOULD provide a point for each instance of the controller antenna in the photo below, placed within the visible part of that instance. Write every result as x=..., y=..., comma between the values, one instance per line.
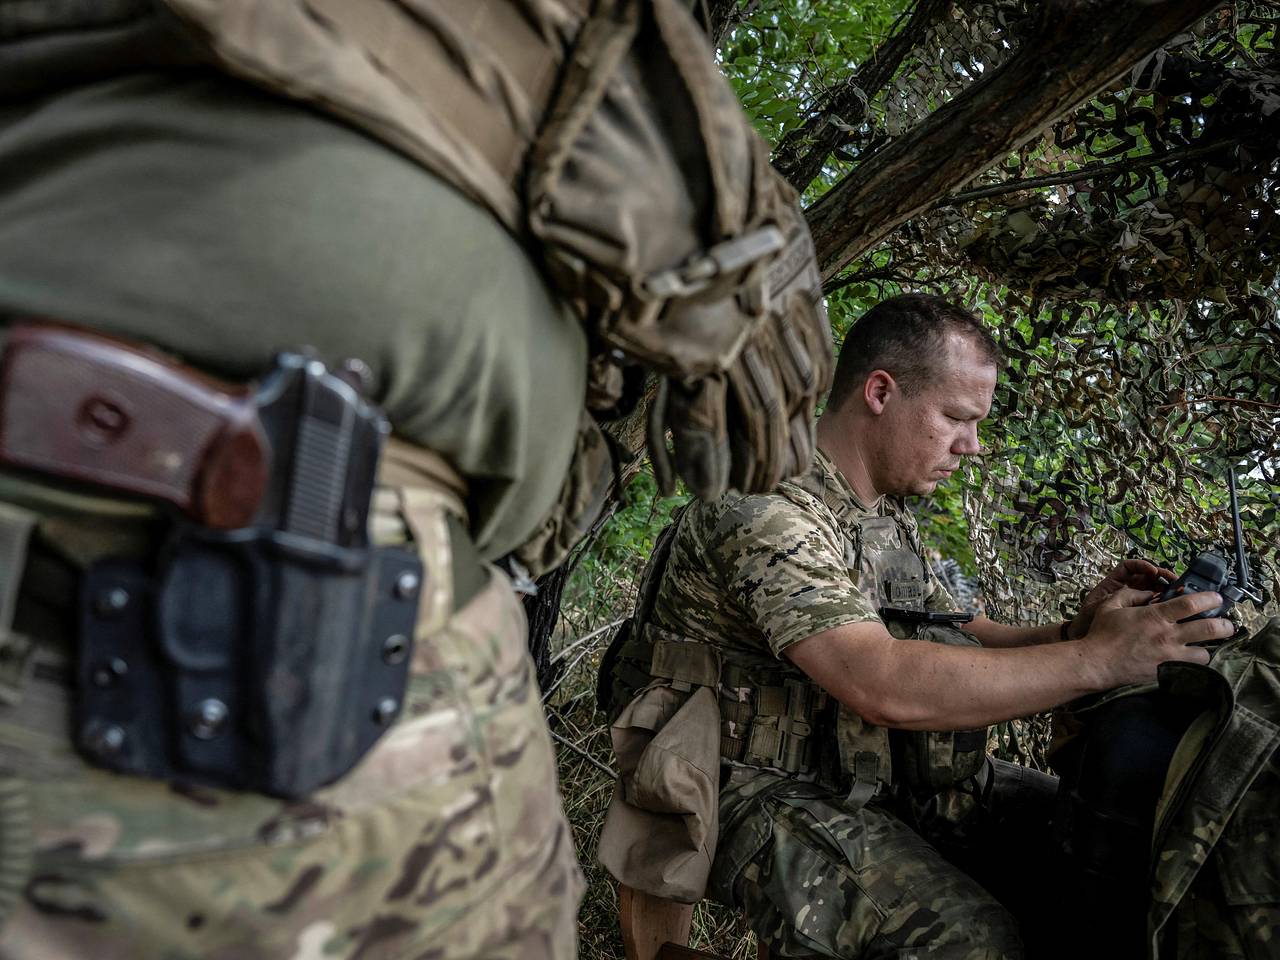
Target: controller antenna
x=1242, y=562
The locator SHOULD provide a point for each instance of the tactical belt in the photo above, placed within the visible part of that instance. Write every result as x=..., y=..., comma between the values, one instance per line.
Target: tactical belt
x=776, y=726
x=779, y=725
x=266, y=644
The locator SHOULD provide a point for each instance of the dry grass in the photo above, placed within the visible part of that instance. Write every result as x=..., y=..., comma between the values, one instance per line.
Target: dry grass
x=582, y=742
x=596, y=598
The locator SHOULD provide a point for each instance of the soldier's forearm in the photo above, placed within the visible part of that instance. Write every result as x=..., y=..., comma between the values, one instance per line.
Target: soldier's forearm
x=915, y=685
x=996, y=635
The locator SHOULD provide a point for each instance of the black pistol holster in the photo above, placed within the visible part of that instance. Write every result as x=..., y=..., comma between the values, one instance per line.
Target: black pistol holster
x=264, y=652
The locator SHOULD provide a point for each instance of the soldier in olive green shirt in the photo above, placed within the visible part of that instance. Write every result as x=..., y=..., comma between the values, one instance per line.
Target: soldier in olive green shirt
x=192, y=212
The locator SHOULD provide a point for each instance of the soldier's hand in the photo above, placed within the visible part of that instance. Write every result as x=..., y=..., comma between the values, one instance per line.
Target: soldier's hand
x=1132, y=573
x=1130, y=638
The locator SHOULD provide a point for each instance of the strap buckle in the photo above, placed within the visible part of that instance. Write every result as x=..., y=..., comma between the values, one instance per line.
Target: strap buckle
x=701, y=270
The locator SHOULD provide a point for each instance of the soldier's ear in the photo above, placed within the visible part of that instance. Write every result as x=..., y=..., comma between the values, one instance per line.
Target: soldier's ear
x=877, y=389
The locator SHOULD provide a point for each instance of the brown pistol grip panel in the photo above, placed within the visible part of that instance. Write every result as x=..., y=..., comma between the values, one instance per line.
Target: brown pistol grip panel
x=84, y=407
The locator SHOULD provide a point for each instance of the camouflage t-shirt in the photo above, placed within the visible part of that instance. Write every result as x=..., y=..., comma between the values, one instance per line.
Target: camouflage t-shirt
x=756, y=574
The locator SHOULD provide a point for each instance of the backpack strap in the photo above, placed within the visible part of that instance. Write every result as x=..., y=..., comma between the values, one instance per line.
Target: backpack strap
x=460, y=86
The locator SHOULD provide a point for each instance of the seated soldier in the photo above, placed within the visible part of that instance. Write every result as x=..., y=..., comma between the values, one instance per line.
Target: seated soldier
x=860, y=816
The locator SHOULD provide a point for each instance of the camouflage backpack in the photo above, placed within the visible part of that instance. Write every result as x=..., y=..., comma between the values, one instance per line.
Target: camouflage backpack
x=1199, y=848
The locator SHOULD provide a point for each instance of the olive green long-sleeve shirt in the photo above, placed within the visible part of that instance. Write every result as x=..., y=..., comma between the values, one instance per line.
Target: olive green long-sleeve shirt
x=191, y=211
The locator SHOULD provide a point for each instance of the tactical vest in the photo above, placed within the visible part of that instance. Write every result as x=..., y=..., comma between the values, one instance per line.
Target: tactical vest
x=893, y=576
x=773, y=716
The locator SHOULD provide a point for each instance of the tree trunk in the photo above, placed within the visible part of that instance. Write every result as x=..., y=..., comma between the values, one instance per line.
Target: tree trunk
x=719, y=16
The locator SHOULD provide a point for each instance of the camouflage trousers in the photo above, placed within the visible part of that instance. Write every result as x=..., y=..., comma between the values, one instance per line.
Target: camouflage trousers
x=447, y=841
x=817, y=878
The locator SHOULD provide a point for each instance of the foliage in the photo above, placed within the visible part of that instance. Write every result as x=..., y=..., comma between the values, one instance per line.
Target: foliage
x=603, y=583
x=782, y=58
x=1125, y=259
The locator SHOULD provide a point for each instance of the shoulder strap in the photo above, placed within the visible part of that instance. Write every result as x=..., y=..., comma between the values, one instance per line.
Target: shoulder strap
x=460, y=86
x=649, y=583
x=657, y=566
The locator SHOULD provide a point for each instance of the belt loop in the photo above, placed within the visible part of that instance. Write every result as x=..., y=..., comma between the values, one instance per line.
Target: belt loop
x=15, y=650
x=424, y=512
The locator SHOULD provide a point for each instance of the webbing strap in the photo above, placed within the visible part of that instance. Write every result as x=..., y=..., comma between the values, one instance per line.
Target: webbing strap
x=771, y=701
x=771, y=725
x=686, y=663
x=763, y=744
x=15, y=650
x=865, y=781
x=461, y=86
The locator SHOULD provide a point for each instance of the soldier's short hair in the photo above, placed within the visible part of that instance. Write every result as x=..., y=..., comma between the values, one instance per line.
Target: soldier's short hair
x=905, y=336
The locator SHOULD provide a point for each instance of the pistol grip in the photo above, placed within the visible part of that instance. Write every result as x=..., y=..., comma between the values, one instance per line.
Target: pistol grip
x=86, y=407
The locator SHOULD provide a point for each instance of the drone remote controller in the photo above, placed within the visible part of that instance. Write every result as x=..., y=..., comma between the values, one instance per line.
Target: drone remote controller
x=1211, y=571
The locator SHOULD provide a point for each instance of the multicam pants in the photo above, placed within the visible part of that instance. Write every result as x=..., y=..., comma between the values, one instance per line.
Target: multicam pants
x=818, y=879
x=448, y=841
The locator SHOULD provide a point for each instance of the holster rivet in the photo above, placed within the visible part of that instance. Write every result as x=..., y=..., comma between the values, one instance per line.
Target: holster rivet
x=385, y=711
x=395, y=648
x=104, y=741
x=111, y=602
x=209, y=719
x=407, y=585
x=106, y=673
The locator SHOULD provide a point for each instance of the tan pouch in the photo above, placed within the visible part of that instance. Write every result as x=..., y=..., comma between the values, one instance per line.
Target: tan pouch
x=660, y=216
x=661, y=828
x=643, y=187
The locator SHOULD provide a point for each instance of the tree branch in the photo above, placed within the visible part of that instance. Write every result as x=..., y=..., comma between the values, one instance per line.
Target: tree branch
x=602, y=767
x=1050, y=74
x=1089, y=172
x=802, y=152
x=720, y=16
x=869, y=276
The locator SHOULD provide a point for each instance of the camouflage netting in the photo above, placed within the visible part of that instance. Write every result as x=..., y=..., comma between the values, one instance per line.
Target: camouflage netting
x=1128, y=261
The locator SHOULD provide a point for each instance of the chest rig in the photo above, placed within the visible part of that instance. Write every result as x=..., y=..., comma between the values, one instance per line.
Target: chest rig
x=891, y=574
x=771, y=715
